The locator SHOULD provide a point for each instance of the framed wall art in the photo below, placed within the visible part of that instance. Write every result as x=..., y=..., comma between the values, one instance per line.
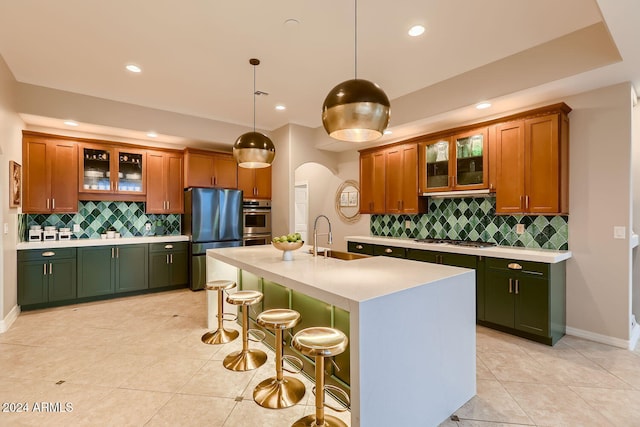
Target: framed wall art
x=15, y=184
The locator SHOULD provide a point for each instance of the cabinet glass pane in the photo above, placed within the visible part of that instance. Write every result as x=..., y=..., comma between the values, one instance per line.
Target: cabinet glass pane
x=469, y=162
x=130, y=172
x=96, y=170
x=438, y=164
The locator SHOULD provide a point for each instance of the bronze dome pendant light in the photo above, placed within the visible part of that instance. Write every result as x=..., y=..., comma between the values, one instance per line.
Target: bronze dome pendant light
x=356, y=110
x=254, y=149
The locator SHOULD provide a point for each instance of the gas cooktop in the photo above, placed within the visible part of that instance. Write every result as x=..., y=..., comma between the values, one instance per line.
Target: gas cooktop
x=471, y=243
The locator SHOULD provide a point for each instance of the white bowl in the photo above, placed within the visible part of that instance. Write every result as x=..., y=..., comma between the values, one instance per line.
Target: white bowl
x=287, y=248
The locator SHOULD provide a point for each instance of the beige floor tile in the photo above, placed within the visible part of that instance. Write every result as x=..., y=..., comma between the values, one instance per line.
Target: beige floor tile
x=517, y=367
x=249, y=414
x=493, y=403
x=488, y=340
x=189, y=410
x=620, y=407
x=555, y=405
x=113, y=370
x=166, y=375
x=215, y=380
x=482, y=372
x=125, y=408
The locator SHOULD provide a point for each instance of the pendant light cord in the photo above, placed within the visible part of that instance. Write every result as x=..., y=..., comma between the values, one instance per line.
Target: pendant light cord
x=254, y=98
x=355, y=38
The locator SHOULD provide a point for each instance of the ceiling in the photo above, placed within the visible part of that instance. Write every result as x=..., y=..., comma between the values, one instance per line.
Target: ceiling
x=195, y=55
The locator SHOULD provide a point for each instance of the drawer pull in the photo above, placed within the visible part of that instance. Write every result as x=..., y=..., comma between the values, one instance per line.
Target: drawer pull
x=359, y=247
x=388, y=251
x=514, y=266
x=48, y=253
x=168, y=246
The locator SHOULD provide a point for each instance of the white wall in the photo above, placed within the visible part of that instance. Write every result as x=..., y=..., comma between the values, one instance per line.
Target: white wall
x=599, y=274
x=635, y=167
x=10, y=149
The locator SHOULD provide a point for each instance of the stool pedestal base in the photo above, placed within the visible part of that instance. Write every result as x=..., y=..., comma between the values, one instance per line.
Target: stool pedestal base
x=275, y=394
x=244, y=360
x=220, y=336
x=310, y=421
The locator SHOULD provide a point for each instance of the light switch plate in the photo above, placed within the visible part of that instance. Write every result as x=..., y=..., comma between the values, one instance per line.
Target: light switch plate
x=6, y=228
x=619, y=232
x=407, y=223
x=76, y=228
x=519, y=228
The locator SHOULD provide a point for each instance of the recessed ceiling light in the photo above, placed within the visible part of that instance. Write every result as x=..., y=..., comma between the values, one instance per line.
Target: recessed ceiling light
x=70, y=123
x=280, y=107
x=387, y=132
x=483, y=105
x=152, y=134
x=416, y=30
x=134, y=68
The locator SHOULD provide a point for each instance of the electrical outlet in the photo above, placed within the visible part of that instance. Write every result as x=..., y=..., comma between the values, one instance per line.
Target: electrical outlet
x=147, y=226
x=407, y=223
x=519, y=228
x=619, y=232
x=76, y=228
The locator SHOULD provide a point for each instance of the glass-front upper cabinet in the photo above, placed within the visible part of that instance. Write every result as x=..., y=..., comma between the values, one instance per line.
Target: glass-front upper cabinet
x=454, y=163
x=110, y=170
x=471, y=160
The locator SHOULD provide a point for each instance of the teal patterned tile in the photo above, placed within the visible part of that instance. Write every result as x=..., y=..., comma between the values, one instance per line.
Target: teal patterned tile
x=475, y=219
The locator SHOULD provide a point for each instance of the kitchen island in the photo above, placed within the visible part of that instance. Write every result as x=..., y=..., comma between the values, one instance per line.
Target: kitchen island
x=412, y=327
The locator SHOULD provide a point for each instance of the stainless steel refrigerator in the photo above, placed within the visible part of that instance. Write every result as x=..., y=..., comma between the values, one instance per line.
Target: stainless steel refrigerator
x=213, y=219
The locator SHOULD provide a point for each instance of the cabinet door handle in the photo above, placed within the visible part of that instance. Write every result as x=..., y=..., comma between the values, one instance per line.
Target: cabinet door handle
x=170, y=258
x=167, y=255
x=359, y=247
x=112, y=253
x=517, y=286
x=399, y=208
x=168, y=205
x=388, y=251
x=117, y=252
x=212, y=183
x=47, y=203
x=50, y=268
x=510, y=286
x=53, y=203
x=514, y=266
x=44, y=269
x=526, y=202
x=490, y=187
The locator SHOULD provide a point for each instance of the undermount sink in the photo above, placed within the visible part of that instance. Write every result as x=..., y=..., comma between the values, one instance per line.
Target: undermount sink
x=345, y=256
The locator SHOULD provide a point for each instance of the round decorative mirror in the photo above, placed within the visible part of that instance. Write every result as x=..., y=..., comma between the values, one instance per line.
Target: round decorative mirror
x=348, y=201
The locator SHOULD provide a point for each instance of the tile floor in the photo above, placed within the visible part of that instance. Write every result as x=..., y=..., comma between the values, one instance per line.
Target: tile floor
x=139, y=361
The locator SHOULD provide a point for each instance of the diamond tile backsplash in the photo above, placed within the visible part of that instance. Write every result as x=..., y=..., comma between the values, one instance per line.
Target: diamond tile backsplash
x=127, y=218
x=474, y=218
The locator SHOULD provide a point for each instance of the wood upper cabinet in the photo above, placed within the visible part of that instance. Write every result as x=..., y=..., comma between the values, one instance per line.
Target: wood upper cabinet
x=401, y=189
x=111, y=172
x=455, y=162
x=255, y=183
x=532, y=165
x=208, y=169
x=372, y=182
x=50, y=175
x=165, y=192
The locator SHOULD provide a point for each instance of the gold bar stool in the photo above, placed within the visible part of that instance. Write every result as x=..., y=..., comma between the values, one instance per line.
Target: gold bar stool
x=320, y=342
x=245, y=359
x=280, y=391
x=220, y=335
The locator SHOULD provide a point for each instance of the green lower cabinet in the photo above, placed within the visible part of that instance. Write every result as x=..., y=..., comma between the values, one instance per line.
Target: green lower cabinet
x=341, y=322
x=105, y=270
x=525, y=298
x=168, y=265
x=46, y=276
x=392, y=251
x=480, y=287
x=275, y=296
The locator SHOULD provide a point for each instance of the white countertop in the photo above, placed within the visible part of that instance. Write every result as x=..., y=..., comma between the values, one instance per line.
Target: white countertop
x=338, y=282
x=509, y=252
x=75, y=243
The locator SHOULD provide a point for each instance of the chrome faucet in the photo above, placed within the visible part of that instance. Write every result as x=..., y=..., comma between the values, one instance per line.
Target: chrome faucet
x=315, y=234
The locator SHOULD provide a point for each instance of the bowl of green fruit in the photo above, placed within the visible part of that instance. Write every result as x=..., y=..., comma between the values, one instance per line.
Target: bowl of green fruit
x=287, y=244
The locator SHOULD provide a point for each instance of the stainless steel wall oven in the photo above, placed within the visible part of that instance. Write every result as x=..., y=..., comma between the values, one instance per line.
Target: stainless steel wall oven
x=257, y=222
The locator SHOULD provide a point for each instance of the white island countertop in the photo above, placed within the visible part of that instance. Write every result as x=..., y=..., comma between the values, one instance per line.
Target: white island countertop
x=548, y=256
x=411, y=327
x=76, y=243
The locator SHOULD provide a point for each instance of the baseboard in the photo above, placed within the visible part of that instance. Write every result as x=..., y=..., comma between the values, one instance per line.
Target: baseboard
x=604, y=339
x=6, y=323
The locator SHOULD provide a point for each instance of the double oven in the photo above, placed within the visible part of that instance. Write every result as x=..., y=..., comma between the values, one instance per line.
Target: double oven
x=257, y=222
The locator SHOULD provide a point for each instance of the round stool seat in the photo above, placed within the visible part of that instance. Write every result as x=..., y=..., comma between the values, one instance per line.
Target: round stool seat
x=215, y=285
x=278, y=318
x=245, y=298
x=320, y=341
